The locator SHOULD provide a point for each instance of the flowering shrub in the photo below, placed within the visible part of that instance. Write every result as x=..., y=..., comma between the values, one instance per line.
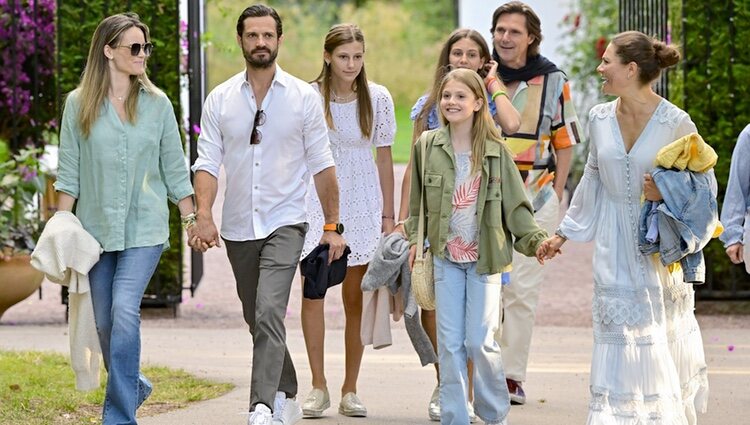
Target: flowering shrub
x=21, y=181
x=27, y=82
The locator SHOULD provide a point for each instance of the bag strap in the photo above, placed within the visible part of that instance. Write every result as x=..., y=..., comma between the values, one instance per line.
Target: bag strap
x=420, y=223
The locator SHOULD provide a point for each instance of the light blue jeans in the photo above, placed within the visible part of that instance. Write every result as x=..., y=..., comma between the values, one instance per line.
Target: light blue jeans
x=468, y=311
x=118, y=282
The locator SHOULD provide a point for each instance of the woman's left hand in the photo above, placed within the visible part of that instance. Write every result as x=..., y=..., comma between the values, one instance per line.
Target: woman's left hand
x=650, y=191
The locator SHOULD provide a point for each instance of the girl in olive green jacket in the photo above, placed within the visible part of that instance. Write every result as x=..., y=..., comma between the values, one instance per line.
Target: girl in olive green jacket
x=475, y=207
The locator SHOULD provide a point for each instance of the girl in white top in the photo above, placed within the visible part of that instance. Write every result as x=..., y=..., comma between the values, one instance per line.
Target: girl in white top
x=360, y=115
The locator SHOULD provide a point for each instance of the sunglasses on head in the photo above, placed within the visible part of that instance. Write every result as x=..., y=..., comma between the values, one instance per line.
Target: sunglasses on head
x=135, y=48
x=256, y=136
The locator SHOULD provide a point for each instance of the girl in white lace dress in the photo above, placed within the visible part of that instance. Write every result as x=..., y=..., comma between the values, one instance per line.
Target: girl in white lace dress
x=360, y=116
x=648, y=365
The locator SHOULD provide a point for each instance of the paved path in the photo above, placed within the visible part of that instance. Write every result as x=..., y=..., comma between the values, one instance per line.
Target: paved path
x=210, y=339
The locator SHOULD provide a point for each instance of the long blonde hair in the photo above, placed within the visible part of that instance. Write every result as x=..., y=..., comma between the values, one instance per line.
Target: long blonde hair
x=95, y=81
x=482, y=127
x=338, y=35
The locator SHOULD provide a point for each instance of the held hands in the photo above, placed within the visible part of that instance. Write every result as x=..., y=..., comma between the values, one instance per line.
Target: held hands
x=336, y=245
x=549, y=248
x=203, y=234
x=736, y=253
x=650, y=191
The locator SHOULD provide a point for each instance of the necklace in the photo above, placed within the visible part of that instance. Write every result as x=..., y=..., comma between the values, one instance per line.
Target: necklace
x=343, y=99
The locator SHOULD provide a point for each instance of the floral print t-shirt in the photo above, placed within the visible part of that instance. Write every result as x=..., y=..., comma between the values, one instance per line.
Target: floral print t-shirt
x=463, y=231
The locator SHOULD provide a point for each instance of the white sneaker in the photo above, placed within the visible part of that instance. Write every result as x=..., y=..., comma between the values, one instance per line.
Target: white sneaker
x=472, y=415
x=433, y=409
x=260, y=416
x=286, y=410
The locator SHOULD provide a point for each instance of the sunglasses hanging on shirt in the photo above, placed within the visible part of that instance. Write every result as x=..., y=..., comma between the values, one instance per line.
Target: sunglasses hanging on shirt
x=256, y=136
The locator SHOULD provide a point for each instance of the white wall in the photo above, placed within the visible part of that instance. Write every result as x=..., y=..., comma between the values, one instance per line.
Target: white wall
x=477, y=14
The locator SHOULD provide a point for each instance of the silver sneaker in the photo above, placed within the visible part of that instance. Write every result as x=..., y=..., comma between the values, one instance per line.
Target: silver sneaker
x=316, y=403
x=433, y=409
x=352, y=406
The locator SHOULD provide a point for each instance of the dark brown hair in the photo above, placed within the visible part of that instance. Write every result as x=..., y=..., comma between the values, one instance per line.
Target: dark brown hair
x=443, y=67
x=259, y=11
x=651, y=55
x=533, y=24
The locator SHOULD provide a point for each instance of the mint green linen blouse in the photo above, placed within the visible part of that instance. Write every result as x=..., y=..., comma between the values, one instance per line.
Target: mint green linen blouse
x=123, y=174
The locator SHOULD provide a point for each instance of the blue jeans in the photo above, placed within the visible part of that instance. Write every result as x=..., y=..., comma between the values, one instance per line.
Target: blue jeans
x=468, y=311
x=118, y=282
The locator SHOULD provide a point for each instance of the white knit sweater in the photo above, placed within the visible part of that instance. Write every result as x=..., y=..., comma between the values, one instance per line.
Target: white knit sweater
x=65, y=253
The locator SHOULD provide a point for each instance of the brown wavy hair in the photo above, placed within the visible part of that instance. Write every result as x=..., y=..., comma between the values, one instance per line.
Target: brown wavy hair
x=338, y=35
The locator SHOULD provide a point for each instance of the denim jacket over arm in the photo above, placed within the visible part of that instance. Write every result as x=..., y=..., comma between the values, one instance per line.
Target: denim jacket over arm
x=502, y=206
x=687, y=217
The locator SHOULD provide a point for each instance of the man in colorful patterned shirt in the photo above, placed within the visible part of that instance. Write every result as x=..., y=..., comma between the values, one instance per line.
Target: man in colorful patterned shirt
x=549, y=129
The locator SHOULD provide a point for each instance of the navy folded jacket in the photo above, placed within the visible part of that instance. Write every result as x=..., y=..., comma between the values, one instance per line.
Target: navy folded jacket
x=319, y=275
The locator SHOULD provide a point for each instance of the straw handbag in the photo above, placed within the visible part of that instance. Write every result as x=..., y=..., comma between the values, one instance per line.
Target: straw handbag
x=422, y=281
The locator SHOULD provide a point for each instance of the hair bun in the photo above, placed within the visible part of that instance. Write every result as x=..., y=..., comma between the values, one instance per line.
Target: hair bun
x=666, y=55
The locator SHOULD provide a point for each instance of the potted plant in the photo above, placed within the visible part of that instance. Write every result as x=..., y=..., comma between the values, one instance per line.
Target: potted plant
x=21, y=183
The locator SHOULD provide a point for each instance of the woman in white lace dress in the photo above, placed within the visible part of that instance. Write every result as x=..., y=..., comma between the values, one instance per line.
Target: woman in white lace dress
x=648, y=365
x=360, y=116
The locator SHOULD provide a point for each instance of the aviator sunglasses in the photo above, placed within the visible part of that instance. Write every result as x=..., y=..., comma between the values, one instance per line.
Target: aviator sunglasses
x=135, y=48
x=256, y=136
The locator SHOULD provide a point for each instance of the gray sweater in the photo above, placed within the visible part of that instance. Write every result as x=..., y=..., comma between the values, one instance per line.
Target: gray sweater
x=389, y=267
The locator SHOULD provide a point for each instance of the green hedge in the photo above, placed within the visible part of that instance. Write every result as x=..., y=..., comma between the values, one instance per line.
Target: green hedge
x=715, y=87
x=77, y=21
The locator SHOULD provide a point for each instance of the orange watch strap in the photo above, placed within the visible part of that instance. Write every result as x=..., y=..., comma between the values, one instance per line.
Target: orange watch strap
x=329, y=227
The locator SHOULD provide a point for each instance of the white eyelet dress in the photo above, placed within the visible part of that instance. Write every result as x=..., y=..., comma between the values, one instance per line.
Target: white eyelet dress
x=648, y=364
x=360, y=196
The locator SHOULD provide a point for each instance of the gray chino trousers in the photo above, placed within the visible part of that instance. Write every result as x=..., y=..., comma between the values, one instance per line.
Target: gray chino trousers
x=264, y=270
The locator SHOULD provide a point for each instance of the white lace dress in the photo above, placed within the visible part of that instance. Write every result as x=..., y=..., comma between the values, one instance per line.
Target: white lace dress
x=648, y=365
x=360, y=196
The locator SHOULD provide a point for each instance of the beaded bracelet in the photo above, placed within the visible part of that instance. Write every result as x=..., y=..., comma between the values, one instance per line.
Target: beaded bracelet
x=188, y=221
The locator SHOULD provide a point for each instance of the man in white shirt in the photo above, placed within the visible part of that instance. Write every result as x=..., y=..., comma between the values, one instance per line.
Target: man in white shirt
x=268, y=130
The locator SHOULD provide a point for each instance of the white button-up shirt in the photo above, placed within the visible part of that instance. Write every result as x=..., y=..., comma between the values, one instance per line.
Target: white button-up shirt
x=266, y=182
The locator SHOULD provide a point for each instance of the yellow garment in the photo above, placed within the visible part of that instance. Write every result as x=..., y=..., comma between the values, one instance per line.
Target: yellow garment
x=689, y=152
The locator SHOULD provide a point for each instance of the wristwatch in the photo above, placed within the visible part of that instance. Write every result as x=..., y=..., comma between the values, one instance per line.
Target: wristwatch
x=334, y=227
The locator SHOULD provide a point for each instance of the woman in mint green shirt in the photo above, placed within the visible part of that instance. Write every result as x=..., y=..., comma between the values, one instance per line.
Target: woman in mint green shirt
x=121, y=158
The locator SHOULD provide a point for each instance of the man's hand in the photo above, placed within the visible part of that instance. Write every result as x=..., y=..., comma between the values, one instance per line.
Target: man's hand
x=336, y=245
x=203, y=234
x=735, y=253
x=650, y=191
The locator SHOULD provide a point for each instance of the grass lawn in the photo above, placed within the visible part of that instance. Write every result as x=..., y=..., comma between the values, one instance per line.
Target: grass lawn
x=38, y=388
x=402, y=145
